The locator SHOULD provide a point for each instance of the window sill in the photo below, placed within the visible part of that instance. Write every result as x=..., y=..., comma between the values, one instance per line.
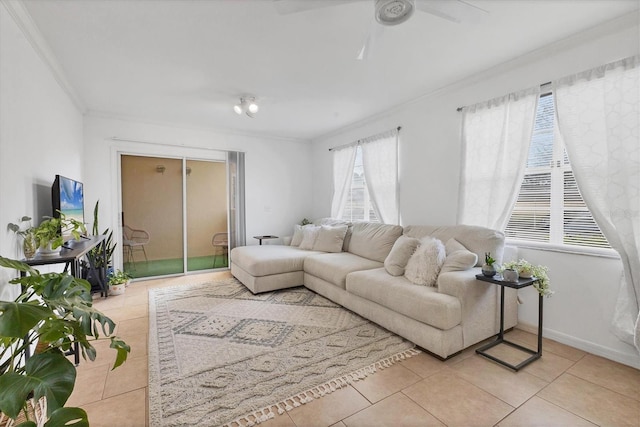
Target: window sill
x=567, y=249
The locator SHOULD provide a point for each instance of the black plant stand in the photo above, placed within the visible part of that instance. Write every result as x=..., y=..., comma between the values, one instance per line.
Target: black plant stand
x=535, y=355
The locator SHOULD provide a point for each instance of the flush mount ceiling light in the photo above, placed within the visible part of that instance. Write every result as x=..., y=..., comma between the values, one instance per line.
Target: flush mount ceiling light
x=247, y=106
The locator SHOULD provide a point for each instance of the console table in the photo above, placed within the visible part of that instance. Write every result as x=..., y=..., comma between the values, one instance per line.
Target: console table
x=535, y=355
x=71, y=253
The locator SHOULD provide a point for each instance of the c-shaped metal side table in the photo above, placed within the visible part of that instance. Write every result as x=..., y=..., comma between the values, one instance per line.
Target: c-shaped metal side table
x=535, y=355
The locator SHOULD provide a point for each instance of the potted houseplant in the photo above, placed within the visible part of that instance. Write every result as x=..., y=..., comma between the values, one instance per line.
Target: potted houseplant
x=102, y=265
x=54, y=311
x=49, y=232
x=25, y=230
x=526, y=270
x=118, y=281
x=488, y=268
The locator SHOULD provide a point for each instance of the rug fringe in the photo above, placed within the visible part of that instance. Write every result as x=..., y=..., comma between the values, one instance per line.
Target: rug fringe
x=319, y=391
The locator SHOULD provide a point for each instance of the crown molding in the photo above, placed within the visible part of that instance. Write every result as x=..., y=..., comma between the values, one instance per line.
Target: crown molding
x=24, y=21
x=628, y=20
x=187, y=126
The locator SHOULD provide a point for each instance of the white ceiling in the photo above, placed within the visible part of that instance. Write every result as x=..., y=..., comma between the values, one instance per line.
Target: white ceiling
x=187, y=61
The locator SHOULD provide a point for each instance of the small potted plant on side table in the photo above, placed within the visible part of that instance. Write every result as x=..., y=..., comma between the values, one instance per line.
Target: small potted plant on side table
x=118, y=281
x=488, y=268
x=526, y=270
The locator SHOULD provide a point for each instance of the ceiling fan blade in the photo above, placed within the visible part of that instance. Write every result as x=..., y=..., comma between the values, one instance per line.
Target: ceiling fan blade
x=286, y=7
x=373, y=35
x=452, y=10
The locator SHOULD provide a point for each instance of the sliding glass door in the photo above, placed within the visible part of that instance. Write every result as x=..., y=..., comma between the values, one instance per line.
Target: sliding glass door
x=152, y=216
x=206, y=213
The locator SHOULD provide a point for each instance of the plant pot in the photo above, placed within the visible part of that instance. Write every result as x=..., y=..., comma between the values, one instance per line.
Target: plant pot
x=117, y=289
x=127, y=283
x=36, y=412
x=29, y=246
x=488, y=270
x=45, y=250
x=510, y=275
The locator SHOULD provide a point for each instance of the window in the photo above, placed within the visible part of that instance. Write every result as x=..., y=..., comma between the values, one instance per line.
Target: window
x=358, y=206
x=549, y=207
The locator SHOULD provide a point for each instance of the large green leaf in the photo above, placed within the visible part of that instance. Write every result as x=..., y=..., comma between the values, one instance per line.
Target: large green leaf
x=123, y=351
x=16, y=320
x=72, y=417
x=46, y=374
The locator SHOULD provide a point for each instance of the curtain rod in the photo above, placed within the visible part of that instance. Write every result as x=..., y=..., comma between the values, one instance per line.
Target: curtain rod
x=356, y=142
x=541, y=86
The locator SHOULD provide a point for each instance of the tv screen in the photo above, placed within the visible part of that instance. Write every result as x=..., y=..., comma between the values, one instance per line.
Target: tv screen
x=68, y=197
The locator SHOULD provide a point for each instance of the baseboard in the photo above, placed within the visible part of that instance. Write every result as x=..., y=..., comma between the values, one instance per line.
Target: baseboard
x=597, y=349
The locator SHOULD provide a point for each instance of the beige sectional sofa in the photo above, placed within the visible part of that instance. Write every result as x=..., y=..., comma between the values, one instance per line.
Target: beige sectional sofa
x=456, y=313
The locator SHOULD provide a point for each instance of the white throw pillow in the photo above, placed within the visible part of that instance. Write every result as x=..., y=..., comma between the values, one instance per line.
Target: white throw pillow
x=459, y=258
x=425, y=263
x=330, y=238
x=309, y=235
x=401, y=251
x=297, y=235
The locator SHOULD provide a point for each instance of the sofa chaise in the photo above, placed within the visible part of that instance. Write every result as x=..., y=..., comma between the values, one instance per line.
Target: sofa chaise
x=453, y=314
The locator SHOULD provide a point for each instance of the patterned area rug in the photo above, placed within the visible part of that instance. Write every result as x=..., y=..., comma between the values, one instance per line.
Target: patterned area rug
x=219, y=354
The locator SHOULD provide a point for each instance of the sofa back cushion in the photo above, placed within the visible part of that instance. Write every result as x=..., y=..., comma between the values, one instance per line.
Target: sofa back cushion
x=373, y=241
x=475, y=238
x=330, y=238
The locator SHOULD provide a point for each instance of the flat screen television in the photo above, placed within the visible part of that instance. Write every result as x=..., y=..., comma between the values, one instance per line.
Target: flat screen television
x=67, y=196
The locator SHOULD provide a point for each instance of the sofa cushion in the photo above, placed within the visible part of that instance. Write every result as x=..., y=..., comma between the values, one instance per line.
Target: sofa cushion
x=458, y=257
x=334, y=267
x=421, y=303
x=330, y=238
x=425, y=263
x=297, y=235
x=269, y=259
x=476, y=239
x=401, y=251
x=372, y=240
x=309, y=236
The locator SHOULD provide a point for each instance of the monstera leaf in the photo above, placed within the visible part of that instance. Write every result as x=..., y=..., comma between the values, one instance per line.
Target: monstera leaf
x=16, y=320
x=46, y=374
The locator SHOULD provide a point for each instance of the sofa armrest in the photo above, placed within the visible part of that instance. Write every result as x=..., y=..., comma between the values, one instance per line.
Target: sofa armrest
x=480, y=302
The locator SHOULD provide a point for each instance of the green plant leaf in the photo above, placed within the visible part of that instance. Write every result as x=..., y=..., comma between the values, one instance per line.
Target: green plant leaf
x=123, y=351
x=72, y=417
x=27, y=424
x=17, y=265
x=17, y=319
x=46, y=374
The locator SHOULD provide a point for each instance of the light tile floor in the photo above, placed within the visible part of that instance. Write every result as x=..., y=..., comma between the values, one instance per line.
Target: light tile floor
x=566, y=387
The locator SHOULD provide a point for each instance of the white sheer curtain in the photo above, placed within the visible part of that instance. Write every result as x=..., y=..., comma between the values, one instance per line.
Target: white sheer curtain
x=598, y=117
x=495, y=145
x=380, y=164
x=343, y=161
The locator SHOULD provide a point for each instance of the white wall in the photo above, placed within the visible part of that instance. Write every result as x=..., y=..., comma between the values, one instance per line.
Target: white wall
x=278, y=178
x=40, y=136
x=586, y=286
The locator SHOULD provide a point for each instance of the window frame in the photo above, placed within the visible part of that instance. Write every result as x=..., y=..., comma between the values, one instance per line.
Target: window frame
x=558, y=166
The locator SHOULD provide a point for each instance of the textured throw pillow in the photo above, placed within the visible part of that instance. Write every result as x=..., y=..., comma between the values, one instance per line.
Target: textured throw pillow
x=458, y=258
x=297, y=235
x=309, y=235
x=400, y=253
x=330, y=238
x=425, y=263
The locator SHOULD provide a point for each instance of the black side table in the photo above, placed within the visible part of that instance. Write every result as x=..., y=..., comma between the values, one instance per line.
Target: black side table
x=260, y=238
x=535, y=355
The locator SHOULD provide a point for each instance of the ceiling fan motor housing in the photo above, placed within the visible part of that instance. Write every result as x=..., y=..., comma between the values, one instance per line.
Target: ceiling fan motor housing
x=394, y=12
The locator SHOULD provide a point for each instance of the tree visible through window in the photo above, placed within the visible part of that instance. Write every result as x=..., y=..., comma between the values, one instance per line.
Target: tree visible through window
x=358, y=206
x=549, y=207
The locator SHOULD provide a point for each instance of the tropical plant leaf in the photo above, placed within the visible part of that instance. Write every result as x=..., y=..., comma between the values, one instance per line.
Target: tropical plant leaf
x=54, y=376
x=71, y=417
x=46, y=374
x=123, y=351
x=16, y=320
x=17, y=265
x=27, y=424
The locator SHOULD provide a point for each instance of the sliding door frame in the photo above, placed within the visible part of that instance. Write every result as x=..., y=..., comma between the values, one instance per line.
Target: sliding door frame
x=122, y=147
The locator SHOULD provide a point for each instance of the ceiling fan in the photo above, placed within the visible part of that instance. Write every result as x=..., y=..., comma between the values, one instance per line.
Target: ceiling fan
x=391, y=12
